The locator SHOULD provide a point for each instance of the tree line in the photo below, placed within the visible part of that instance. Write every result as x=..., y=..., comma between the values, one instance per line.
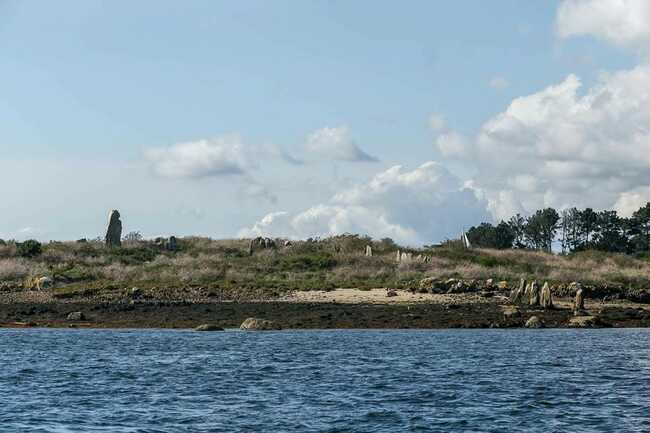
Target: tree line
x=570, y=230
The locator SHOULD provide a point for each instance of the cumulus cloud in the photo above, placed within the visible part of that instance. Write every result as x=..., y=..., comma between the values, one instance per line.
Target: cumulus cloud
x=452, y=144
x=437, y=122
x=337, y=144
x=625, y=23
x=558, y=148
x=202, y=158
x=423, y=205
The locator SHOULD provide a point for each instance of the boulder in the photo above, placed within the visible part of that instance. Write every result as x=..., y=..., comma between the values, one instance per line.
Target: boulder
x=584, y=322
x=43, y=283
x=254, y=324
x=208, y=328
x=502, y=285
x=76, y=316
x=545, y=297
x=534, y=322
x=511, y=312
x=114, y=231
x=391, y=293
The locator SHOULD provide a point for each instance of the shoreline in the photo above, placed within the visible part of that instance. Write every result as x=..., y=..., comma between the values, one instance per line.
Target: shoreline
x=338, y=309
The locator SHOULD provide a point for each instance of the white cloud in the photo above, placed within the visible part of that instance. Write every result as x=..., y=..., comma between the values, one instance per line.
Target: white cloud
x=337, y=144
x=420, y=206
x=558, y=148
x=203, y=158
x=498, y=83
x=625, y=23
x=452, y=144
x=437, y=122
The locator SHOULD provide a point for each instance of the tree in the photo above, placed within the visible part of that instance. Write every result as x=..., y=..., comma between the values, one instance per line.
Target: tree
x=29, y=248
x=640, y=228
x=610, y=232
x=541, y=228
x=517, y=226
x=588, y=222
x=488, y=236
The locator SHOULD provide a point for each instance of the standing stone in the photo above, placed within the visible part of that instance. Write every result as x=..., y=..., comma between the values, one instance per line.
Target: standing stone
x=368, y=251
x=518, y=293
x=579, y=303
x=533, y=294
x=172, y=244
x=114, y=230
x=398, y=258
x=545, y=297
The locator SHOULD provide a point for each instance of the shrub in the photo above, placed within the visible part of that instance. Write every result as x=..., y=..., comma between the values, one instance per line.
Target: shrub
x=29, y=248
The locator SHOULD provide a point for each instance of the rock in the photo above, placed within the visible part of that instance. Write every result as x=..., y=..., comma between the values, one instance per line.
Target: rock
x=391, y=293
x=511, y=312
x=533, y=294
x=489, y=283
x=368, y=251
x=534, y=322
x=208, y=328
x=172, y=244
x=545, y=297
x=502, y=285
x=114, y=231
x=135, y=292
x=584, y=322
x=517, y=294
x=44, y=283
x=406, y=257
x=398, y=258
x=260, y=243
x=76, y=316
x=254, y=324
x=579, y=302
x=288, y=244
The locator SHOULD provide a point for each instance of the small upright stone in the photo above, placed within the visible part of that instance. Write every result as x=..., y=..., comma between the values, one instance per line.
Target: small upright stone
x=114, y=231
x=518, y=293
x=545, y=297
x=579, y=303
x=368, y=251
x=533, y=294
x=398, y=258
x=172, y=244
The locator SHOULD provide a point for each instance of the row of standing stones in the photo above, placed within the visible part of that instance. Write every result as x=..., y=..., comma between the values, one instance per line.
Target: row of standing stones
x=113, y=236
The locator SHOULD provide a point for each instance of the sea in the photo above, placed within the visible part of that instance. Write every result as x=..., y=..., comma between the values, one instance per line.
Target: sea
x=546, y=380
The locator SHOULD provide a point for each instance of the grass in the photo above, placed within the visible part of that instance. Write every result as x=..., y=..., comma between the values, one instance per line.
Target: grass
x=225, y=265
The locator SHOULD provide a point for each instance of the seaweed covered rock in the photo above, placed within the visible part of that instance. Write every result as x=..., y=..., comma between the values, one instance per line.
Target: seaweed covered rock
x=255, y=324
x=208, y=328
x=584, y=322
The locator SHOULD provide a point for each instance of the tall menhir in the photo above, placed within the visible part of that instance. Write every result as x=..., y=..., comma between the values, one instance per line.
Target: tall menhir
x=114, y=231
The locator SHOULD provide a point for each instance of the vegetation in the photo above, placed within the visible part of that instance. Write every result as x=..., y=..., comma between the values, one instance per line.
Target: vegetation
x=83, y=268
x=573, y=229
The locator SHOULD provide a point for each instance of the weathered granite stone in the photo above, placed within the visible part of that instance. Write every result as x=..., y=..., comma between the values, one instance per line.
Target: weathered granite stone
x=579, y=302
x=545, y=297
x=172, y=244
x=254, y=324
x=368, y=251
x=533, y=294
x=518, y=293
x=114, y=231
x=584, y=322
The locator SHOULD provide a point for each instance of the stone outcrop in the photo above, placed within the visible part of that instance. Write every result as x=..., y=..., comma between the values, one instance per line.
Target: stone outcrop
x=254, y=324
x=260, y=243
x=368, y=251
x=208, y=328
x=113, y=236
x=391, y=293
x=545, y=297
x=534, y=322
x=584, y=322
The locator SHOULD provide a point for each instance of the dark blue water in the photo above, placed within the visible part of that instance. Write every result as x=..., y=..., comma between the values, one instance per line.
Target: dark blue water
x=325, y=381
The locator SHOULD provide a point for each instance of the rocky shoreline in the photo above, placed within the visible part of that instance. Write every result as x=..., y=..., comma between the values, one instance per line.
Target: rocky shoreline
x=455, y=311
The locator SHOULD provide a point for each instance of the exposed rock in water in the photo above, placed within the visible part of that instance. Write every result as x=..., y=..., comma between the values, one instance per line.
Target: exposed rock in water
x=208, y=328
x=534, y=322
x=368, y=251
x=545, y=297
x=511, y=312
x=114, y=231
x=254, y=324
x=76, y=316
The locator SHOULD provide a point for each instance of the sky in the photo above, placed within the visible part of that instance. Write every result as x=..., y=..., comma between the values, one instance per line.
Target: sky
x=411, y=120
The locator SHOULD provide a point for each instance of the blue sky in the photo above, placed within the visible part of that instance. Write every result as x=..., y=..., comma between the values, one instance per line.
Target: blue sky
x=95, y=96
